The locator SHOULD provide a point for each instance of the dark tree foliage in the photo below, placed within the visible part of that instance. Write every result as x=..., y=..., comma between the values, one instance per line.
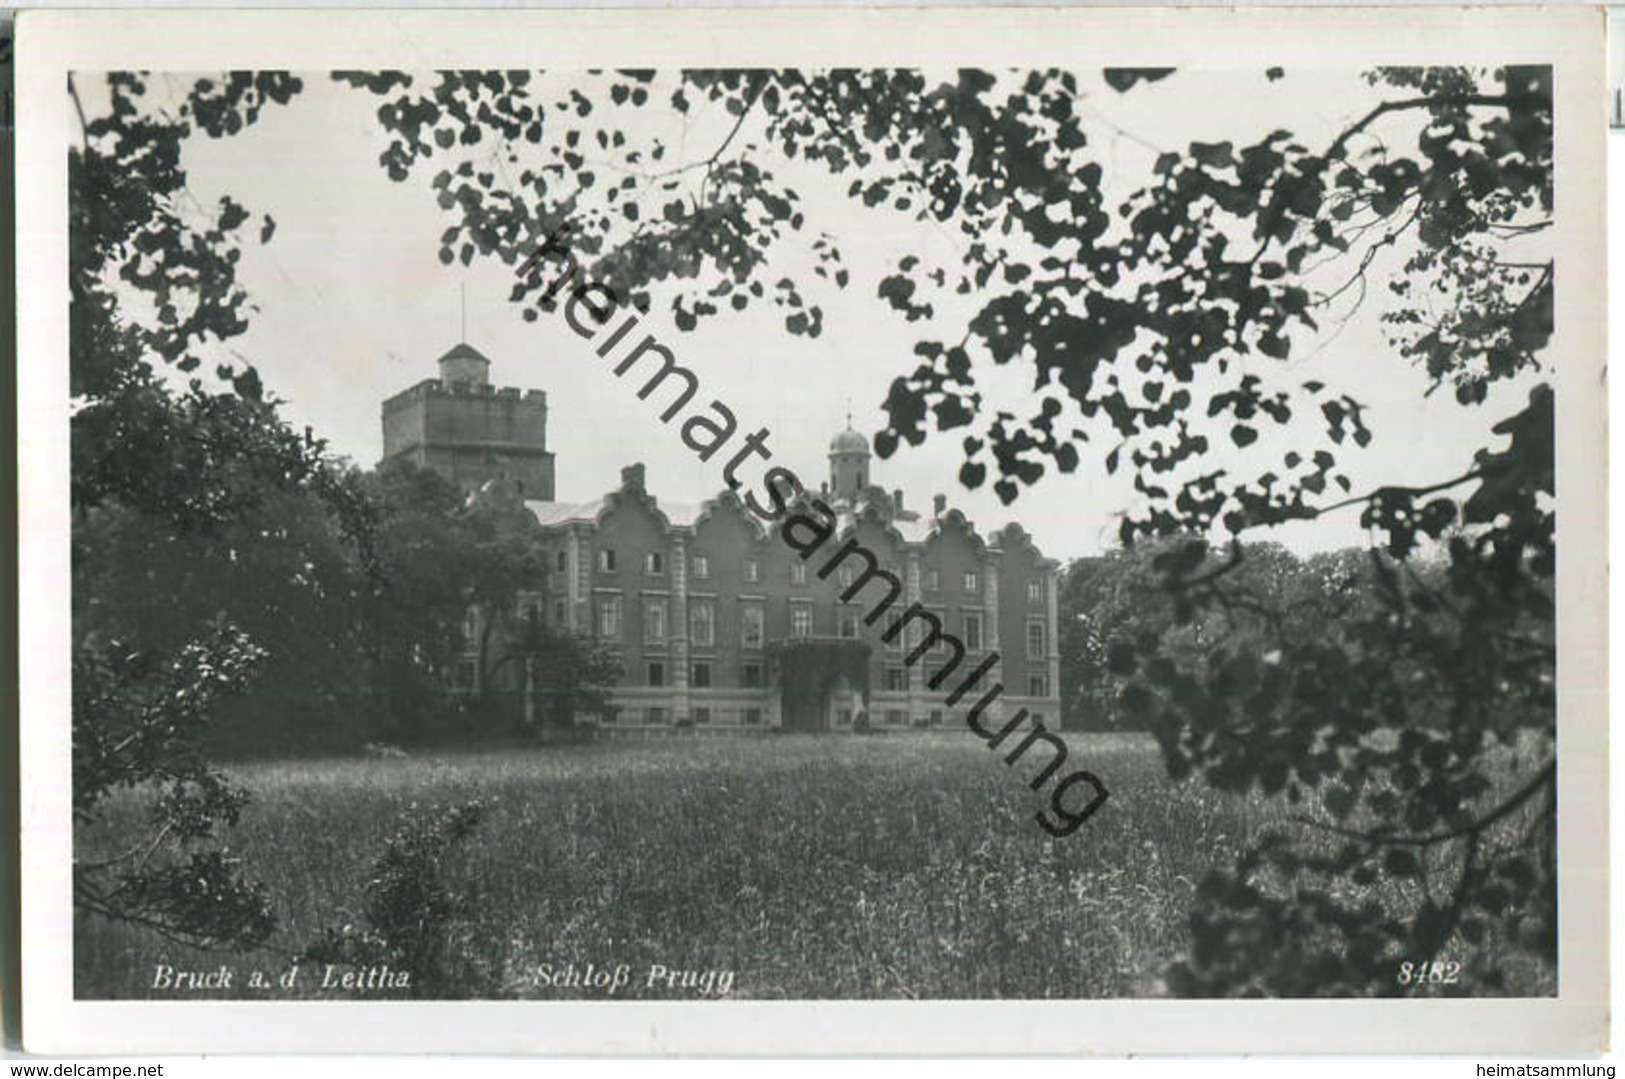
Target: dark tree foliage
x=564, y=675
x=1414, y=729
x=1413, y=722
x=503, y=556
x=153, y=286
x=1110, y=602
x=413, y=615
x=280, y=572
x=153, y=289
x=137, y=721
x=441, y=558
x=1117, y=309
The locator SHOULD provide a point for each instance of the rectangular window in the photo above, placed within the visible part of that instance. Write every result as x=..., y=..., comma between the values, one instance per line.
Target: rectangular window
x=702, y=676
x=798, y=572
x=606, y=560
x=846, y=576
x=972, y=582
x=843, y=718
x=1035, y=591
x=654, y=563
x=609, y=616
x=612, y=714
x=936, y=717
x=849, y=624
x=933, y=580
x=561, y=560
x=654, y=620
x=702, y=717
x=657, y=716
x=800, y=620
x=750, y=620
x=702, y=566
x=657, y=674
x=753, y=717
x=1038, y=685
x=753, y=570
x=896, y=678
x=973, y=631
x=1035, y=640
x=750, y=676
x=702, y=623
x=894, y=717
x=561, y=613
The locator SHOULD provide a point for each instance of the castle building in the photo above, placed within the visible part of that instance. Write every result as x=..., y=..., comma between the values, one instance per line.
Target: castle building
x=709, y=608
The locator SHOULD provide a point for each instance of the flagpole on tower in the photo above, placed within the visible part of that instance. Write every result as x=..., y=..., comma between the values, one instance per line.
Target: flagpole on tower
x=462, y=306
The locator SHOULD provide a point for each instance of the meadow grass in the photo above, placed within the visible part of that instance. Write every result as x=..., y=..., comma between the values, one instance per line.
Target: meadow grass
x=810, y=866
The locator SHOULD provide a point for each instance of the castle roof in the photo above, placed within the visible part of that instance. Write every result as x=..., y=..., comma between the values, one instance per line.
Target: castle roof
x=677, y=514
x=849, y=441
x=558, y=513
x=872, y=504
x=910, y=528
x=464, y=351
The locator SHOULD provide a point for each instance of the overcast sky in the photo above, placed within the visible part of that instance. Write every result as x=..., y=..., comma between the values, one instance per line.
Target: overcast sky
x=355, y=305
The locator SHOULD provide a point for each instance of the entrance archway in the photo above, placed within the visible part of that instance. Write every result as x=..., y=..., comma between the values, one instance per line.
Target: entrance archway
x=807, y=671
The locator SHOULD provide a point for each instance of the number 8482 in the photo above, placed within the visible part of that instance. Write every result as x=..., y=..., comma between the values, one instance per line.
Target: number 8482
x=1437, y=972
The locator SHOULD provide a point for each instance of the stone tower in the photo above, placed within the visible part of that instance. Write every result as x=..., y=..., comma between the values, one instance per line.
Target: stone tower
x=470, y=431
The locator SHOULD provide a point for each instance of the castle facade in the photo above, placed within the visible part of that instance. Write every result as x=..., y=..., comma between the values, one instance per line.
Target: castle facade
x=715, y=616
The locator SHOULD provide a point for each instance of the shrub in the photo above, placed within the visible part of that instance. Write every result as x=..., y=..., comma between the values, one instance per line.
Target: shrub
x=138, y=718
x=414, y=918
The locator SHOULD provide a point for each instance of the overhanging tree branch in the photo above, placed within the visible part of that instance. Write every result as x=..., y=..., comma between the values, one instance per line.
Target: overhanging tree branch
x=1546, y=775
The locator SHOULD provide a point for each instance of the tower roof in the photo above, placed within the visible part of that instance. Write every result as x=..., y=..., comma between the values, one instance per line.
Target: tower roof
x=464, y=351
x=849, y=441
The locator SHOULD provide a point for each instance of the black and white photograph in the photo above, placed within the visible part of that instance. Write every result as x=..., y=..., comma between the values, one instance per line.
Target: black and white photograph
x=653, y=508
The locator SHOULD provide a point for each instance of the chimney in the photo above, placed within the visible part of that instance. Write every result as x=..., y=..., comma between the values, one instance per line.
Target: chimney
x=632, y=478
x=939, y=505
x=897, y=499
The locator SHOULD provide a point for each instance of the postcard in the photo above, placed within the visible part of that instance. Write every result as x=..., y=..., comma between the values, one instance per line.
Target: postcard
x=813, y=531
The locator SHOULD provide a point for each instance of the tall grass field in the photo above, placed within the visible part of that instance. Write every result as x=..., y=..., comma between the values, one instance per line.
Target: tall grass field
x=807, y=866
